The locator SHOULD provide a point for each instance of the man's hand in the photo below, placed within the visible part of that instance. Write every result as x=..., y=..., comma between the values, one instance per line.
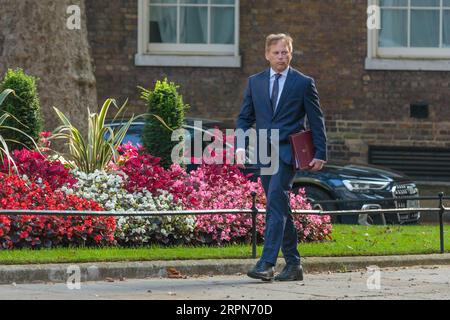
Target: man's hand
x=316, y=164
x=240, y=158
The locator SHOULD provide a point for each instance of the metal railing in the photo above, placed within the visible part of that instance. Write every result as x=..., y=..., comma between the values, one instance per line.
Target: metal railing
x=254, y=211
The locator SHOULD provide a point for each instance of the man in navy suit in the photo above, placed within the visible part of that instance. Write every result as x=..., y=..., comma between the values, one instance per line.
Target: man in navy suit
x=279, y=98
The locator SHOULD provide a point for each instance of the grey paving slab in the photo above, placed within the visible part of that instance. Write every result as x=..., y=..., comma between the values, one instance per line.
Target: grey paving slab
x=420, y=282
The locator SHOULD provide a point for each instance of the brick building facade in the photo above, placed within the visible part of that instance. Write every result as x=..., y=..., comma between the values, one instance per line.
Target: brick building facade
x=363, y=107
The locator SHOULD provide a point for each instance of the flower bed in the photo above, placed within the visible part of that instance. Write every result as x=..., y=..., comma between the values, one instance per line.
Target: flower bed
x=38, y=168
x=108, y=189
x=216, y=187
x=136, y=182
x=31, y=231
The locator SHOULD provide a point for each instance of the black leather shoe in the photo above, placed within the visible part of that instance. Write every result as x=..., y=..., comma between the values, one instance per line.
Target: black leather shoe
x=263, y=271
x=290, y=272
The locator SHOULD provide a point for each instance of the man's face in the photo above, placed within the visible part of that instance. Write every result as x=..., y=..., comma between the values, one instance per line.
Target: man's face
x=279, y=55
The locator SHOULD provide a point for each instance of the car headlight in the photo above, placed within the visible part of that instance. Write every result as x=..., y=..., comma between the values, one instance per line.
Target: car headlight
x=363, y=185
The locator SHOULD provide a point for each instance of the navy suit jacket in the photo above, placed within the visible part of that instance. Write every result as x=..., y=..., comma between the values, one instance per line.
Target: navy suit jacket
x=298, y=99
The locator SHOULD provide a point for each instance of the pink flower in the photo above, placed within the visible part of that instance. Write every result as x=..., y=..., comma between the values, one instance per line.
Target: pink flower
x=216, y=187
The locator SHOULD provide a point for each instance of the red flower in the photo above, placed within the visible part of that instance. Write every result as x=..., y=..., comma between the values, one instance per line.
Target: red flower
x=15, y=193
x=35, y=165
x=24, y=235
x=45, y=134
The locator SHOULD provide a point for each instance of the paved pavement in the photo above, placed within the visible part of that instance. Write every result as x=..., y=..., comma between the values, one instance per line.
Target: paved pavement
x=419, y=282
x=22, y=274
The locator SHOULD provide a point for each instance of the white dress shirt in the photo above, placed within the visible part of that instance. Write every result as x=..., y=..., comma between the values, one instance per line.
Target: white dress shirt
x=281, y=82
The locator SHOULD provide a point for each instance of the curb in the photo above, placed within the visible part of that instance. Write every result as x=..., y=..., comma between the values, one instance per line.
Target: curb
x=111, y=271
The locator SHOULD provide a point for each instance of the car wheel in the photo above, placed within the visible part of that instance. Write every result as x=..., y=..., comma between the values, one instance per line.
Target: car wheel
x=371, y=219
x=317, y=194
x=367, y=219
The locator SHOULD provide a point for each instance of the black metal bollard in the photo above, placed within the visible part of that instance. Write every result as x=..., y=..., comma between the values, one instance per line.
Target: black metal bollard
x=441, y=220
x=254, y=213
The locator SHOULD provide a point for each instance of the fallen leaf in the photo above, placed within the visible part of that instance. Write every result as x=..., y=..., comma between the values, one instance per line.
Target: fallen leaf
x=174, y=274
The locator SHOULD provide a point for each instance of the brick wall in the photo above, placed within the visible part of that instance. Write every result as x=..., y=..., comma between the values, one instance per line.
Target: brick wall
x=349, y=139
x=362, y=107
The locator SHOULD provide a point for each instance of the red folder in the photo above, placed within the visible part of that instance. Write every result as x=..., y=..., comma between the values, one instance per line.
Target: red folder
x=302, y=149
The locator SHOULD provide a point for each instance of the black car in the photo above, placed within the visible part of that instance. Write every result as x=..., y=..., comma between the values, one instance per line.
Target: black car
x=343, y=181
x=191, y=124
x=134, y=133
x=338, y=181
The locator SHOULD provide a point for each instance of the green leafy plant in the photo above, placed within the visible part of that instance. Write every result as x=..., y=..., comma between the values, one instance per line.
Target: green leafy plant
x=5, y=128
x=4, y=94
x=100, y=147
x=167, y=103
x=24, y=107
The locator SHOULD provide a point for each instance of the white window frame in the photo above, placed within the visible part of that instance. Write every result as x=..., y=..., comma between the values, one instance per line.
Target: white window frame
x=184, y=55
x=401, y=58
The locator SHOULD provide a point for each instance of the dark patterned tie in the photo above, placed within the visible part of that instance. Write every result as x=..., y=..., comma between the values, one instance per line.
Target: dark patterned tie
x=275, y=89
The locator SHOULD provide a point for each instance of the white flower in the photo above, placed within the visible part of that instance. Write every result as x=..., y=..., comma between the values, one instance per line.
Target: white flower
x=108, y=189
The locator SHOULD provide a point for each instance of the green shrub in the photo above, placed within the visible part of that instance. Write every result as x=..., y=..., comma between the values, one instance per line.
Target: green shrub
x=165, y=102
x=5, y=155
x=24, y=106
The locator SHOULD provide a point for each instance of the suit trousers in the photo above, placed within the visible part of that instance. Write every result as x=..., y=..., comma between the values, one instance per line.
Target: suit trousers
x=280, y=230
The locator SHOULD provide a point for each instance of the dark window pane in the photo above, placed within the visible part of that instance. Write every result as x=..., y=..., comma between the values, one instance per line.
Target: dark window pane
x=162, y=1
x=394, y=3
x=193, y=24
x=222, y=1
x=394, y=26
x=194, y=1
x=222, y=25
x=425, y=28
x=425, y=3
x=163, y=24
x=446, y=34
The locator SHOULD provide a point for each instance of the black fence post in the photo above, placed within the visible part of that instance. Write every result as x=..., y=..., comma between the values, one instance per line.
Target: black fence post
x=441, y=220
x=254, y=213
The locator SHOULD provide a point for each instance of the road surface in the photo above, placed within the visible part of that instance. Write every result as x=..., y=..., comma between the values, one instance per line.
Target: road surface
x=426, y=282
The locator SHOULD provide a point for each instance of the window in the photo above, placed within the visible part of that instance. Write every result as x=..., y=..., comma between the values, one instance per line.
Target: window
x=412, y=29
x=188, y=33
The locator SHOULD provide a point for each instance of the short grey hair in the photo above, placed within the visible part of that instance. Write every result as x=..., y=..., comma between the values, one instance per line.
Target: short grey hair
x=274, y=38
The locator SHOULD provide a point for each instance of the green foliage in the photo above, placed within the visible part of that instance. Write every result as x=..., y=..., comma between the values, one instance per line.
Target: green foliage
x=4, y=94
x=165, y=102
x=5, y=128
x=100, y=147
x=350, y=240
x=23, y=106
